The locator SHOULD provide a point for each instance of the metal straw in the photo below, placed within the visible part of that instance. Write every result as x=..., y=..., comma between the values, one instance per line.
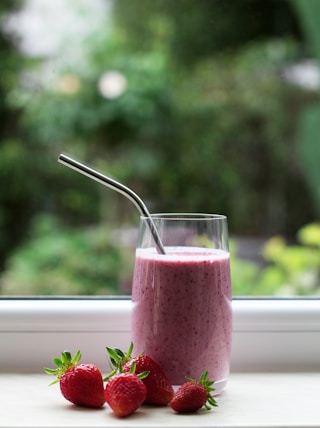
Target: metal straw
x=118, y=187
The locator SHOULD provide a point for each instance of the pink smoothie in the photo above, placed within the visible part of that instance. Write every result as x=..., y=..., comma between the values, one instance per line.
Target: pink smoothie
x=182, y=311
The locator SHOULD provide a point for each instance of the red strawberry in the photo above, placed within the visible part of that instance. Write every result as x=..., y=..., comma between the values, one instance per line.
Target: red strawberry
x=159, y=388
x=193, y=395
x=82, y=384
x=125, y=393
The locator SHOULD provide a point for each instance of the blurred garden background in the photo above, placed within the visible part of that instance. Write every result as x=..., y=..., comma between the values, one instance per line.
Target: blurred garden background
x=197, y=105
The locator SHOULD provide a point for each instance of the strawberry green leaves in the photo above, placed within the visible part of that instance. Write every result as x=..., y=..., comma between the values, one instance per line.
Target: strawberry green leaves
x=64, y=363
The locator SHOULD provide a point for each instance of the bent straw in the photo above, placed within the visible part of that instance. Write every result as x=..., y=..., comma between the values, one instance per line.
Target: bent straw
x=118, y=187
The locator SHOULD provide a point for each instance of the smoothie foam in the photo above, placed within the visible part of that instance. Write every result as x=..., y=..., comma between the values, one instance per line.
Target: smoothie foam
x=182, y=311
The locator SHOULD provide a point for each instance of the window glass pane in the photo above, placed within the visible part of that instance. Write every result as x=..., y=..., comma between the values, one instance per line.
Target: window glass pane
x=197, y=105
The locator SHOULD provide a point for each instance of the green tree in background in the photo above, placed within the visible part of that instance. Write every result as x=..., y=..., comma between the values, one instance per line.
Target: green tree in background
x=233, y=128
x=206, y=122
x=30, y=180
x=182, y=129
x=195, y=30
x=308, y=137
x=16, y=205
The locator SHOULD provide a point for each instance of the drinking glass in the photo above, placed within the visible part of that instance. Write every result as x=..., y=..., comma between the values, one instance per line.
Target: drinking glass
x=181, y=314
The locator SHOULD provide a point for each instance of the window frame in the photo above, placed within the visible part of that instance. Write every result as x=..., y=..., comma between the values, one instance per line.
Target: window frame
x=268, y=333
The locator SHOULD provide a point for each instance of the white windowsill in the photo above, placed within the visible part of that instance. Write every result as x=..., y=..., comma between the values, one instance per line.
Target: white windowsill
x=275, y=367
x=251, y=400
x=277, y=335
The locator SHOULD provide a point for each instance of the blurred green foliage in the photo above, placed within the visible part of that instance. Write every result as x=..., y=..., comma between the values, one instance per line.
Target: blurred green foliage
x=308, y=132
x=59, y=261
x=207, y=122
x=186, y=140
x=291, y=270
x=239, y=140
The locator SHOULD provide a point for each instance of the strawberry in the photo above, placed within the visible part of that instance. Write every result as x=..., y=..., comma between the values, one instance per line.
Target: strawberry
x=159, y=388
x=82, y=384
x=125, y=393
x=193, y=395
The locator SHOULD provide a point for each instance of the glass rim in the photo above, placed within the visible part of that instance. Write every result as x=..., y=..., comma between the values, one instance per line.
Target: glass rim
x=185, y=216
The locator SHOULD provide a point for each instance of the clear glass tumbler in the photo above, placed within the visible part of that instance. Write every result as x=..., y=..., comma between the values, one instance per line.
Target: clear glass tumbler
x=181, y=313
